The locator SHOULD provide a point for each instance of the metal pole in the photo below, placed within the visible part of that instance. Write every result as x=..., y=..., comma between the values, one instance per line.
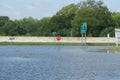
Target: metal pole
x=85, y=39
x=82, y=38
x=108, y=36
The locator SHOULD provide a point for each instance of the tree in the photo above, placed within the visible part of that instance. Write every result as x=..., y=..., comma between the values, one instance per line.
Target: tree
x=29, y=26
x=62, y=20
x=97, y=16
x=66, y=22
x=90, y=4
x=44, y=27
x=9, y=29
x=116, y=19
x=110, y=30
x=3, y=20
x=20, y=28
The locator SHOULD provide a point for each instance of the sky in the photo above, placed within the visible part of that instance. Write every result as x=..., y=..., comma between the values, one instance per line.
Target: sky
x=18, y=9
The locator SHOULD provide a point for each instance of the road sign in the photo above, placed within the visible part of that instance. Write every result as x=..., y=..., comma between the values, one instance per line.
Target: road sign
x=54, y=33
x=58, y=38
x=83, y=28
x=85, y=24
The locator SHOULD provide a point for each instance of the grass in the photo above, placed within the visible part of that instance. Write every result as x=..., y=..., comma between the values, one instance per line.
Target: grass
x=113, y=49
x=51, y=44
x=101, y=44
x=37, y=44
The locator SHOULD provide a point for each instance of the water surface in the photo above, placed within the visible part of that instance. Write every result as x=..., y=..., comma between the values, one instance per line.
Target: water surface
x=58, y=63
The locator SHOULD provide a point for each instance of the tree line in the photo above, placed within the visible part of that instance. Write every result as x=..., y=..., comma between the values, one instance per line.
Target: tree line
x=66, y=22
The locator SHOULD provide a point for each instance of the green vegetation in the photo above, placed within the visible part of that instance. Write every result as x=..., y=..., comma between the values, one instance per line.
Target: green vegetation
x=51, y=44
x=37, y=44
x=101, y=44
x=113, y=49
x=66, y=22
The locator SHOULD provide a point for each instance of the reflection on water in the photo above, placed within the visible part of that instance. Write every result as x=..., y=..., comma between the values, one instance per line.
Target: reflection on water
x=58, y=63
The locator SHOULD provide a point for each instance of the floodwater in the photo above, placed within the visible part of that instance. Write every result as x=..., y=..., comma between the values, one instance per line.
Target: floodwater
x=58, y=63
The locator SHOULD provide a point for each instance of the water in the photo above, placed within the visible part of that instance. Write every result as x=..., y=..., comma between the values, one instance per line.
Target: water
x=58, y=63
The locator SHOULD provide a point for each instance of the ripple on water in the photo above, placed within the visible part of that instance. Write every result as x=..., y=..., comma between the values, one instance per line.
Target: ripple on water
x=15, y=58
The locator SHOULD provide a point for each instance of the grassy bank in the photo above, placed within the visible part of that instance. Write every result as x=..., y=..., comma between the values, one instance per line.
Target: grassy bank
x=113, y=49
x=37, y=44
x=101, y=44
x=51, y=44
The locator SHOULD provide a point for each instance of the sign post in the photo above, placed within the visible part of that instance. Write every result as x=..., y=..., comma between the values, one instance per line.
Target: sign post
x=54, y=33
x=83, y=30
x=117, y=36
x=58, y=38
x=108, y=38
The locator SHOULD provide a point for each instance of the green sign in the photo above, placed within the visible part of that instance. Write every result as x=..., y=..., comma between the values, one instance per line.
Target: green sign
x=83, y=28
x=54, y=33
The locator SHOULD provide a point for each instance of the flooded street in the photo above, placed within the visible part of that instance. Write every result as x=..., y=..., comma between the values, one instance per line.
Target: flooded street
x=58, y=63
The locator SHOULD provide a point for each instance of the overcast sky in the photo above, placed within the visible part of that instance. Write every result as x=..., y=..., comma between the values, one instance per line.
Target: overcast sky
x=17, y=9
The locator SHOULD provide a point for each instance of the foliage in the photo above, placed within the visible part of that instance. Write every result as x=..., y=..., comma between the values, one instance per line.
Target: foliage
x=62, y=20
x=116, y=18
x=97, y=17
x=44, y=28
x=3, y=20
x=66, y=22
x=109, y=30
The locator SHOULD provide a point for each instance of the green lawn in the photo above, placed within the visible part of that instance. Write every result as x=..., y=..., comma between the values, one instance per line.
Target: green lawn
x=37, y=44
x=51, y=44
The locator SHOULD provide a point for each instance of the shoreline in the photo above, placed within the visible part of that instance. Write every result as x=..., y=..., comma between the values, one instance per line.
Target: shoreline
x=72, y=41
x=53, y=44
x=53, y=39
